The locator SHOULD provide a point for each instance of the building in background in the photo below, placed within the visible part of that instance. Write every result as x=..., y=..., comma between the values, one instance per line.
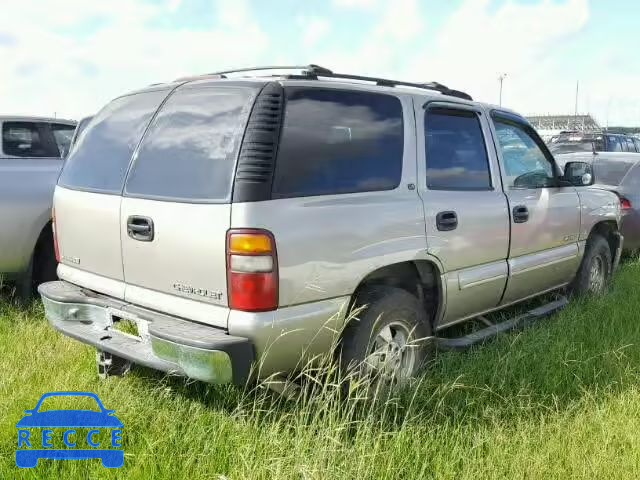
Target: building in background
x=549, y=126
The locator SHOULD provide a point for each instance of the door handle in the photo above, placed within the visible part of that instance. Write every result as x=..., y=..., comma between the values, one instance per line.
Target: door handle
x=520, y=214
x=140, y=228
x=446, y=221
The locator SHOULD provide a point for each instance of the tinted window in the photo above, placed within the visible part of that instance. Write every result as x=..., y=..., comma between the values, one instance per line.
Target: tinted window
x=336, y=141
x=101, y=155
x=27, y=139
x=190, y=149
x=630, y=145
x=456, y=152
x=525, y=164
x=63, y=135
x=614, y=144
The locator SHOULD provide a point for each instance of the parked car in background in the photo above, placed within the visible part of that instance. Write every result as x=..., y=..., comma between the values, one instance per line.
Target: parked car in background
x=618, y=173
x=570, y=142
x=238, y=220
x=31, y=156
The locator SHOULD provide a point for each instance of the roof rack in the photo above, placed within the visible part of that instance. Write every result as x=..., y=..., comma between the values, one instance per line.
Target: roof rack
x=312, y=72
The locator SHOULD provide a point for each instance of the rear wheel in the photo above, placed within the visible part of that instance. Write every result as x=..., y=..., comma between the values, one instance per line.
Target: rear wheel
x=594, y=274
x=386, y=344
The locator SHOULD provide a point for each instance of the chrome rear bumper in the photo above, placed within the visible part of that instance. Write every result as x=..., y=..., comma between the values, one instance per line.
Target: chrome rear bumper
x=172, y=345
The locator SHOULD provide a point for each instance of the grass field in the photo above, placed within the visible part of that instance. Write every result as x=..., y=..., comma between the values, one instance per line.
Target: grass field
x=559, y=400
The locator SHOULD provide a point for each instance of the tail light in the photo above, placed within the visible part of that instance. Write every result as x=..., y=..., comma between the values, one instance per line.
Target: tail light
x=56, y=249
x=252, y=270
x=625, y=204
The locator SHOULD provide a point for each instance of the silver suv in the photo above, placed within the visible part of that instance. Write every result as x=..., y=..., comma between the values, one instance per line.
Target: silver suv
x=31, y=155
x=238, y=220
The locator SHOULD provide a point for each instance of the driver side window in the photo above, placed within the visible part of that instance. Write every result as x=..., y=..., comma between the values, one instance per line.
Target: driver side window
x=525, y=164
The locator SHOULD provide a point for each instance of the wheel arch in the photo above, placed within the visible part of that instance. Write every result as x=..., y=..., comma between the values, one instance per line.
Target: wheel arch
x=609, y=230
x=420, y=277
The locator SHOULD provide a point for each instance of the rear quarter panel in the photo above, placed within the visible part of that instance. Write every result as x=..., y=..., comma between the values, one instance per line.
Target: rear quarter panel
x=327, y=244
x=596, y=205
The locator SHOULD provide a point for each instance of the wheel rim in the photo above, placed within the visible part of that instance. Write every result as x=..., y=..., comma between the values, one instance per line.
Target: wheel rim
x=391, y=356
x=596, y=275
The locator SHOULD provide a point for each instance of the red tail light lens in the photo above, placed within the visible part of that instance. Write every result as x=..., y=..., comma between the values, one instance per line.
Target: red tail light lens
x=56, y=249
x=252, y=270
x=625, y=203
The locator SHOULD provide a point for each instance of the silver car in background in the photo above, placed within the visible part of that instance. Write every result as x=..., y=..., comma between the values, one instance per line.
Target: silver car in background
x=618, y=173
x=32, y=150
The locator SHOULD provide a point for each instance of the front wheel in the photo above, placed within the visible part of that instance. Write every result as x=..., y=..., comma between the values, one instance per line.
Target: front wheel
x=594, y=273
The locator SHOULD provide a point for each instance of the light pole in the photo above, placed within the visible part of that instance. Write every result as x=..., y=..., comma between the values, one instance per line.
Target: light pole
x=501, y=78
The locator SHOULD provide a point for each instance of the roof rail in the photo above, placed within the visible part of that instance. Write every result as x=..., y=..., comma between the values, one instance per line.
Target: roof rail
x=313, y=71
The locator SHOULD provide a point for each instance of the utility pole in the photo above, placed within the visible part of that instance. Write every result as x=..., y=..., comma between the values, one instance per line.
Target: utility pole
x=501, y=78
x=577, y=90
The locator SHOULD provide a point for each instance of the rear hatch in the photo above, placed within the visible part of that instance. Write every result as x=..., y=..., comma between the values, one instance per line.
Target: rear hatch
x=163, y=235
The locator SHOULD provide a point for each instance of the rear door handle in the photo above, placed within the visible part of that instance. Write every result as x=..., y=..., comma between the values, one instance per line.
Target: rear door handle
x=446, y=221
x=140, y=228
x=520, y=214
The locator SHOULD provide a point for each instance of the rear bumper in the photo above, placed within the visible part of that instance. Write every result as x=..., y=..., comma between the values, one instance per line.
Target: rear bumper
x=172, y=345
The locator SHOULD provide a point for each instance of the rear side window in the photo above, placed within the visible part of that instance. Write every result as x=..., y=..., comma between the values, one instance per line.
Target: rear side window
x=630, y=145
x=101, y=155
x=455, y=150
x=63, y=135
x=27, y=139
x=338, y=141
x=614, y=144
x=190, y=150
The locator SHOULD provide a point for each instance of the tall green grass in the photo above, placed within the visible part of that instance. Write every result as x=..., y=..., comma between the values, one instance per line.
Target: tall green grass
x=558, y=400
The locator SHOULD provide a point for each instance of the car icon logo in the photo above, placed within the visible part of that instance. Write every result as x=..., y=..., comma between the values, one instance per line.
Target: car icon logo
x=39, y=429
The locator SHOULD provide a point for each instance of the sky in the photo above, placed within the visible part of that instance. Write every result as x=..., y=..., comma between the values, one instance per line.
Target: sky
x=70, y=57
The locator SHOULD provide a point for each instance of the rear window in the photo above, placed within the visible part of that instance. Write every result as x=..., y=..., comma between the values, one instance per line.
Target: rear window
x=572, y=147
x=190, y=150
x=101, y=155
x=338, y=141
x=28, y=140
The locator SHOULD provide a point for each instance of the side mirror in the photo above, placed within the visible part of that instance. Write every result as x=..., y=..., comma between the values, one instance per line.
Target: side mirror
x=579, y=174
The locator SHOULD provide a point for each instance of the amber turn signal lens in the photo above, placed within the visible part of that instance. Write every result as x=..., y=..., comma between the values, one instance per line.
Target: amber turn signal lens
x=250, y=243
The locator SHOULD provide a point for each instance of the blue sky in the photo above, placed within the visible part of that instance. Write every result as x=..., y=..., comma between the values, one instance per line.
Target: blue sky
x=72, y=56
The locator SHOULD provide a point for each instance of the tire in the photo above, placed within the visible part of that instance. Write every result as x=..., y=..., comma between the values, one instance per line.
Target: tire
x=372, y=344
x=594, y=273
